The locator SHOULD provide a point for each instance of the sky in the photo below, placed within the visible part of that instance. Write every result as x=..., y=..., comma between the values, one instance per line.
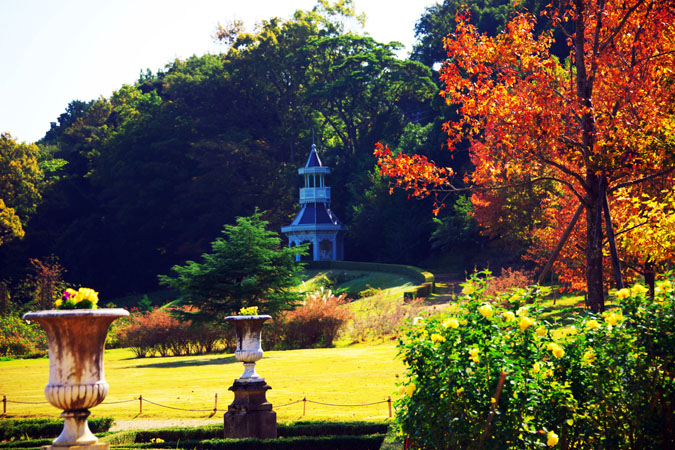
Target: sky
x=56, y=51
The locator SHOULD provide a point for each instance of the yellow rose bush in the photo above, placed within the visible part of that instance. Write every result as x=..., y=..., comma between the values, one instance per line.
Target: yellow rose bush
x=603, y=384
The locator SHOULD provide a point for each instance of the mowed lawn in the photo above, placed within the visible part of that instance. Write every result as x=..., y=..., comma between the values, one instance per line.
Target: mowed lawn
x=350, y=375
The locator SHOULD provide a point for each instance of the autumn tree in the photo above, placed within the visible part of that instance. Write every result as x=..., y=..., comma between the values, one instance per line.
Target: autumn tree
x=599, y=121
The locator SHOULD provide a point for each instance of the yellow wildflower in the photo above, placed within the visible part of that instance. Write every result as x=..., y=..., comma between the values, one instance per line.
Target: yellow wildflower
x=508, y=316
x=551, y=439
x=451, y=323
x=638, y=289
x=590, y=356
x=525, y=323
x=622, y=294
x=157, y=440
x=592, y=324
x=468, y=289
x=486, y=311
x=436, y=338
x=541, y=331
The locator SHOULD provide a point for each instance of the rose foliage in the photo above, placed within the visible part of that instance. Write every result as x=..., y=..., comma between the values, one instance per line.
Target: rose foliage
x=590, y=381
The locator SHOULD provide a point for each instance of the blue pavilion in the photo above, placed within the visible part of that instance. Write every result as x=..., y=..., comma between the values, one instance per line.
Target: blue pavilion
x=316, y=223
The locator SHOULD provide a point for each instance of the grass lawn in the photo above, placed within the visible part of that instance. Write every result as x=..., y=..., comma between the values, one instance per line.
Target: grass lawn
x=349, y=375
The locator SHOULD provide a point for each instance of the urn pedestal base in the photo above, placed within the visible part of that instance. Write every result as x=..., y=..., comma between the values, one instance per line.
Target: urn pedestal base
x=250, y=415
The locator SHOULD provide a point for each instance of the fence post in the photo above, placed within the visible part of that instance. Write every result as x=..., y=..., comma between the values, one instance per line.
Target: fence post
x=215, y=405
x=389, y=402
x=140, y=404
x=4, y=404
x=304, y=405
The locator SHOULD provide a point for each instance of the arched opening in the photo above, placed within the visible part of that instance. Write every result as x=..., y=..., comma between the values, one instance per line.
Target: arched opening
x=325, y=250
x=309, y=256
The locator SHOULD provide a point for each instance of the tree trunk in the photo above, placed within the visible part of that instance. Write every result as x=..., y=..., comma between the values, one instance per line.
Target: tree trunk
x=650, y=278
x=596, y=299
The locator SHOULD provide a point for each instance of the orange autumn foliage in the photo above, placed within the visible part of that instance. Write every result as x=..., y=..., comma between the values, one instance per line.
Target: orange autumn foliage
x=601, y=121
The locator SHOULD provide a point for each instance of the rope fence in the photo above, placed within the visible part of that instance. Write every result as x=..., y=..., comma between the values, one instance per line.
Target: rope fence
x=140, y=399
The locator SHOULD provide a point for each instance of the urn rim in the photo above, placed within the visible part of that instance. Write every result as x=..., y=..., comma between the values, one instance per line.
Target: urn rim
x=49, y=313
x=255, y=317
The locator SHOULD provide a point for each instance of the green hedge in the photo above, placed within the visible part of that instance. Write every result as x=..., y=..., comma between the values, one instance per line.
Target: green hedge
x=301, y=428
x=14, y=429
x=425, y=280
x=369, y=442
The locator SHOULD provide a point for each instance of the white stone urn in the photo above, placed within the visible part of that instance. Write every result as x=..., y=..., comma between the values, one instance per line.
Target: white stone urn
x=76, y=341
x=249, y=349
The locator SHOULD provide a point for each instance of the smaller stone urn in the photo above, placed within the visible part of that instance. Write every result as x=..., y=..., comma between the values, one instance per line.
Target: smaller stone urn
x=250, y=414
x=76, y=341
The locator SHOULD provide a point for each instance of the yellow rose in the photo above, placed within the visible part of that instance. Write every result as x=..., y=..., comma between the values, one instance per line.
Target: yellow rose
x=638, y=289
x=410, y=389
x=541, y=331
x=551, y=439
x=450, y=323
x=468, y=289
x=436, y=338
x=536, y=368
x=522, y=311
x=486, y=311
x=473, y=354
x=525, y=323
x=508, y=316
x=613, y=319
x=592, y=324
x=622, y=294
x=590, y=356
x=557, y=350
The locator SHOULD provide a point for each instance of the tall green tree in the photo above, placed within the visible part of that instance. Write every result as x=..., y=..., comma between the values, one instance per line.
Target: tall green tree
x=20, y=182
x=246, y=267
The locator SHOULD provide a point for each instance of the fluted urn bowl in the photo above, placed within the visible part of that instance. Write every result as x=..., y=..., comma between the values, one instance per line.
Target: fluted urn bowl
x=76, y=341
x=249, y=347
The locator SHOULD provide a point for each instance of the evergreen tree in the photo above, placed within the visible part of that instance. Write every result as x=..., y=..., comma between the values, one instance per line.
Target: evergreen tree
x=246, y=268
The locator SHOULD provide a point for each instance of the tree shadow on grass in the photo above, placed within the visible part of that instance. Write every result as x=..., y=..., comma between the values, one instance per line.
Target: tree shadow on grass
x=187, y=363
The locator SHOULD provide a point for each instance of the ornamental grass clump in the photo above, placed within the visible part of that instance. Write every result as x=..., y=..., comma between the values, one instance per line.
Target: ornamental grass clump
x=500, y=379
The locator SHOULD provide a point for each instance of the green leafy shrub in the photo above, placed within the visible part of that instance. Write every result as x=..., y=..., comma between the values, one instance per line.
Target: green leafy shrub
x=20, y=339
x=605, y=381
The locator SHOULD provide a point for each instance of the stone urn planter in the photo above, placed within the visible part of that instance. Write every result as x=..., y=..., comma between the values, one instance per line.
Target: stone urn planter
x=249, y=346
x=76, y=341
x=250, y=414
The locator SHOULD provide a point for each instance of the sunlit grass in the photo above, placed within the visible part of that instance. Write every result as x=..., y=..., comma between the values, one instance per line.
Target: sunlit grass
x=353, y=375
